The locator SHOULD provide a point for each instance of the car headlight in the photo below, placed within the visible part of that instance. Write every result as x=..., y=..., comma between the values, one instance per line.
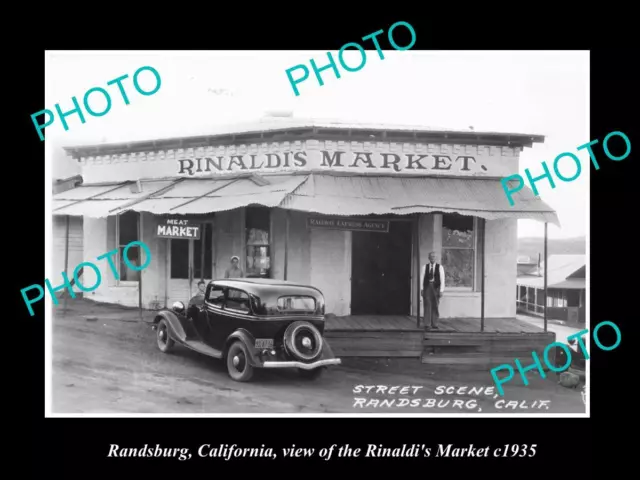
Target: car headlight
x=178, y=306
x=306, y=342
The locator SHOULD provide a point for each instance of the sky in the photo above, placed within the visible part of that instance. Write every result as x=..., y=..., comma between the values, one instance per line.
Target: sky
x=544, y=93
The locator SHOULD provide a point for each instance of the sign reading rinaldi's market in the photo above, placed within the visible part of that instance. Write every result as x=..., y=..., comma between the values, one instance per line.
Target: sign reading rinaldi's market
x=337, y=160
x=348, y=224
x=177, y=228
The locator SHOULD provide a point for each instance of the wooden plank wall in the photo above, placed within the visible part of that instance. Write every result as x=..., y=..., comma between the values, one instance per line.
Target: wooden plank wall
x=58, y=248
x=407, y=344
x=485, y=350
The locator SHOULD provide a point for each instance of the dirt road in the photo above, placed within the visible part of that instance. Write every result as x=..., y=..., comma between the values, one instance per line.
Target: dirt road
x=112, y=365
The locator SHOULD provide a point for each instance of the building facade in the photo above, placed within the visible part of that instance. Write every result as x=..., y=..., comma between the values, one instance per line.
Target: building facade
x=353, y=210
x=67, y=232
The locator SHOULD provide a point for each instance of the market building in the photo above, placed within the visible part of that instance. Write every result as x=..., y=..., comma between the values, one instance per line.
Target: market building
x=351, y=209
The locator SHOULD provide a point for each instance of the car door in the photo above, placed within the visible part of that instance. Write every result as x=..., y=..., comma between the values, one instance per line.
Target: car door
x=237, y=311
x=212, y=316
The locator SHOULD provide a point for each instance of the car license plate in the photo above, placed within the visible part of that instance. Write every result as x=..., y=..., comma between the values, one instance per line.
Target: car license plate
x=264, y=343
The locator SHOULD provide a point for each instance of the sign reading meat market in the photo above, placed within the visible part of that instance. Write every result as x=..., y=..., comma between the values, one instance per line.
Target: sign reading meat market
x=178, y=228
x=348, y=224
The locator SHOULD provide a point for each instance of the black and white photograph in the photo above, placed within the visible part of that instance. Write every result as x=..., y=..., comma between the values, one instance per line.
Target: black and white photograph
x=278, y=233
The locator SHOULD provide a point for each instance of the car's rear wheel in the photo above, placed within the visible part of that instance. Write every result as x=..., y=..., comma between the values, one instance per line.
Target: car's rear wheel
x=238, y=364
x=165, y=342
x=311, y=374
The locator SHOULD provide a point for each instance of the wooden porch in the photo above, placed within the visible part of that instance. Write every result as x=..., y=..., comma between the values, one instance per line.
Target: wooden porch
x=457, y=341
x=374, y=336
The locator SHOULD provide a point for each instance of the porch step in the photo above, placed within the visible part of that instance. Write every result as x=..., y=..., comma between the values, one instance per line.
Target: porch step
x=444, y=335
x=484, y=351
x=476, y=361
x=382, y=344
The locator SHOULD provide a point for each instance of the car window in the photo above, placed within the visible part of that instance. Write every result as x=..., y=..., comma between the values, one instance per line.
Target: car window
x=215, y=295
x=297, y=304
x=237, y=300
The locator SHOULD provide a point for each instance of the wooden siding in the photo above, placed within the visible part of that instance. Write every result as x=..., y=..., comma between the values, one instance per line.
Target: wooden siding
x=58, y=247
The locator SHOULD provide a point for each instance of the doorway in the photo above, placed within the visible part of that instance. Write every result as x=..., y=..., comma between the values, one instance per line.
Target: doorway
x=189, y=262
x=381, y=271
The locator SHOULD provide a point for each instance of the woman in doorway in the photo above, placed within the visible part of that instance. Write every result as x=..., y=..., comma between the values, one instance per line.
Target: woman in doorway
x=234, y=271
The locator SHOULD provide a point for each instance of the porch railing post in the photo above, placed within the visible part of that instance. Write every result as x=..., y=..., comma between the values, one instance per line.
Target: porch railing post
x=482, y=237
x=66, y=262
x=140, y=263
x=545, y=276
x=286, y=244
x=416, y=225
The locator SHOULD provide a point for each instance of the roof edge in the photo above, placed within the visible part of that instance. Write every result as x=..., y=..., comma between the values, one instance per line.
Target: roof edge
x=281, y=133
x=76, y=178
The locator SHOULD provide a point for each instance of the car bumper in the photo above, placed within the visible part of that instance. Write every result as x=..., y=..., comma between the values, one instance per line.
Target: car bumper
x=304, y=366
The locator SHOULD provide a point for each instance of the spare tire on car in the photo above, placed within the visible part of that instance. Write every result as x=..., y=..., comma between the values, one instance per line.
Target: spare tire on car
x=303, y=341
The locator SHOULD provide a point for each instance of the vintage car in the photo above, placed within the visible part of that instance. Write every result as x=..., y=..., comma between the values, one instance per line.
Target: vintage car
x=252, y=323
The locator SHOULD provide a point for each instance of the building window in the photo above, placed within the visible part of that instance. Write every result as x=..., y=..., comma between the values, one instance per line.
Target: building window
x=556, y=299
x=200, y=264
x=459, y=251
x=203, y=257
x=258, y=237
x=562, y=299
x=180, y=258
x=127, y=232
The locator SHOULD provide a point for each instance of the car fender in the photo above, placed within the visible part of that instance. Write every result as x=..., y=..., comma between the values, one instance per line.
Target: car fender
x=249, y=341
x=327, y=352
x=176, y=329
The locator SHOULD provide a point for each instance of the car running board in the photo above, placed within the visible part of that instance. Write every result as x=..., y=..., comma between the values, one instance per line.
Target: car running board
x=200, y=347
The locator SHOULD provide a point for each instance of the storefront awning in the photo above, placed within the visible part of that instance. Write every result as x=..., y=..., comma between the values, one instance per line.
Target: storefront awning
x=210, y=195
x=355, y=195
x=177, y=196
x=101, y=200
x=321, y=193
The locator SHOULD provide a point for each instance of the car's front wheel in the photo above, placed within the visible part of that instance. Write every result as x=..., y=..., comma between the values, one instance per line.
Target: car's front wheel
x=238, y=364
x=311, y=374
x=165, y=342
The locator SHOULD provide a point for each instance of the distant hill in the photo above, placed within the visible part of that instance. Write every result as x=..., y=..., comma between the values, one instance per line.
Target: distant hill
x=531, y=246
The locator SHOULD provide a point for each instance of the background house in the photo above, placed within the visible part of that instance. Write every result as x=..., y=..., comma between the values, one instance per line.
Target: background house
x=528, y=265
x=566, y=287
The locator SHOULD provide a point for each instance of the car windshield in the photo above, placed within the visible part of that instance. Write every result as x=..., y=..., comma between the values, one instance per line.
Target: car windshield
x=297, y=304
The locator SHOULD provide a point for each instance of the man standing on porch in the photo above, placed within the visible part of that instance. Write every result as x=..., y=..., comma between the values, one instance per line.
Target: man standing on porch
x=432, y=289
